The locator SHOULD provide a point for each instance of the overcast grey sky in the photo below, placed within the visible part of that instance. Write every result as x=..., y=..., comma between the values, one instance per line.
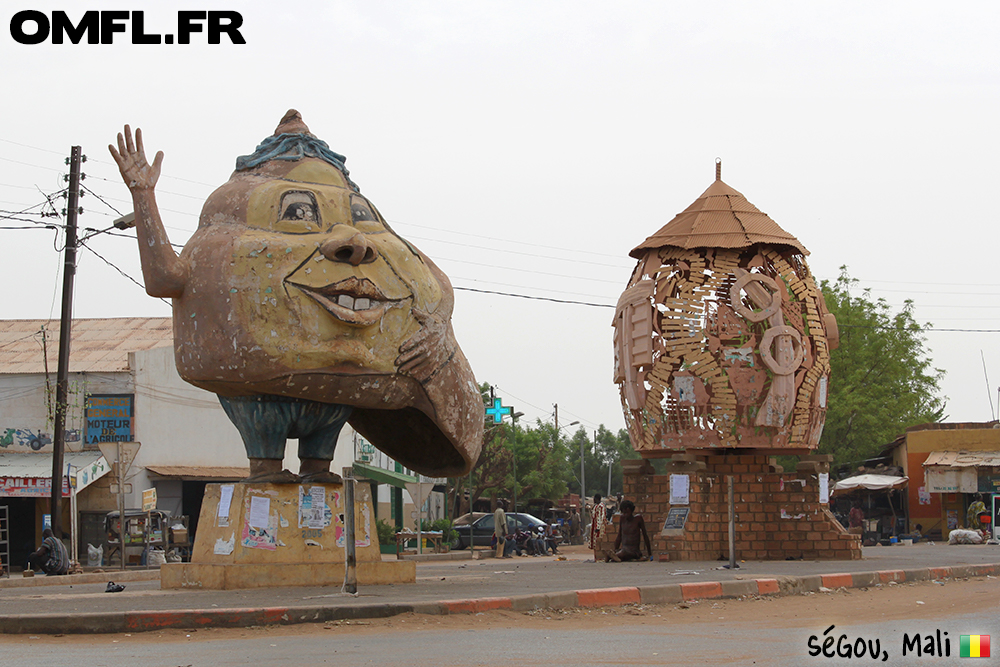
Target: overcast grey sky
x=528, y=146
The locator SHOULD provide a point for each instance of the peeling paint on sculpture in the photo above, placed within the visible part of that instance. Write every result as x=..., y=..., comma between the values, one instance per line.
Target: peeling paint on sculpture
x=722, y=338
x=299, y=306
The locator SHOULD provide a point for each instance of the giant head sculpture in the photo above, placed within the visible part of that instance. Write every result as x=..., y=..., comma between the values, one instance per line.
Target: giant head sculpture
x=722, y=339
x=302, y=309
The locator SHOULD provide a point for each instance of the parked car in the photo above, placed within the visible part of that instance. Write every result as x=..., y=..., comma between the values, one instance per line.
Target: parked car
x=482, y=528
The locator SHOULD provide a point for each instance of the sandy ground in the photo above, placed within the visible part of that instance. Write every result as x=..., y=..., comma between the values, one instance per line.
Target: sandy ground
x=893, y=602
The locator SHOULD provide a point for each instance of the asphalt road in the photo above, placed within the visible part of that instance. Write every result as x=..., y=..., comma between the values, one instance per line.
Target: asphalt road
x=457, y=579
x=608, y=638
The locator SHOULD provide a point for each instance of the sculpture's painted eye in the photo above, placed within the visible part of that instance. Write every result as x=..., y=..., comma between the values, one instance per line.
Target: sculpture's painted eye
x=361, y=210
x=298, y=205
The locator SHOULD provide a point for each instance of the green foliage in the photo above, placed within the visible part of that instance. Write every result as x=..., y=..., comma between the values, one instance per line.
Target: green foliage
x=881, y=377
x=448, y=534
x=386, y=532
x=541, y=462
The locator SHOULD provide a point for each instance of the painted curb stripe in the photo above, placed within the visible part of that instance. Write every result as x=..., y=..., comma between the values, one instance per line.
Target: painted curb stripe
x=702, y=589
x=608, y=597
x=767, y=586
x=838, y=581
x=475, y=606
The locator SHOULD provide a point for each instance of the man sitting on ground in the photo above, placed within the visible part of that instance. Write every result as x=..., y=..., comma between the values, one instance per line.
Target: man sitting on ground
x=52, y=557
x=627, y=545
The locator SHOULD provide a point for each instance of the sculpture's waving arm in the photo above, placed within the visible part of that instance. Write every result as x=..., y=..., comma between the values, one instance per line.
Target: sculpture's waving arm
x=164, y=272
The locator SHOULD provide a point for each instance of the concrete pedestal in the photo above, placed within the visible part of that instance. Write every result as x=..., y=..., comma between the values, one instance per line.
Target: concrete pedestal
x=258, y=535
x=778, y=514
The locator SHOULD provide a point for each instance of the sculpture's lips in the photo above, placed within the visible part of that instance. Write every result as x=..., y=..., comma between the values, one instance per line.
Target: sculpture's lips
x=353, y=300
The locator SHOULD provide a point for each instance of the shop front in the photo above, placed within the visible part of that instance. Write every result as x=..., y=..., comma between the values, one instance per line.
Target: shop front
x=26, y=492
x=962, y=478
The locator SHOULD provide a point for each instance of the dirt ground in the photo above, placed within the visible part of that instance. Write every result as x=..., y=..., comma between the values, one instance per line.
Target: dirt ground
x=893, y=602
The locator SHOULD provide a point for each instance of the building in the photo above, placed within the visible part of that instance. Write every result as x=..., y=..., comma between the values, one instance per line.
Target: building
x=948, y=465
x=124, y=388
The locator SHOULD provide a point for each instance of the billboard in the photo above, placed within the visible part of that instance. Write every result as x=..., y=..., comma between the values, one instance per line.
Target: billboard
x=109, y=419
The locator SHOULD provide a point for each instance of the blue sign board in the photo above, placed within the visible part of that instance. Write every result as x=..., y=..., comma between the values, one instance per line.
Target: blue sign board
x=109, y=418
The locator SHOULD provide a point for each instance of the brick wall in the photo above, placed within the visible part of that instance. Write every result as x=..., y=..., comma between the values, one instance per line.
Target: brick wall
x=778, y=514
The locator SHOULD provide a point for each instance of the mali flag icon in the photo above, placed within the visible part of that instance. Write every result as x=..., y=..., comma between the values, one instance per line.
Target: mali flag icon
x=975, y=646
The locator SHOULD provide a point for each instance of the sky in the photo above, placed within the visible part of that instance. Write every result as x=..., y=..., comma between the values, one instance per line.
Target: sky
x=526, y=147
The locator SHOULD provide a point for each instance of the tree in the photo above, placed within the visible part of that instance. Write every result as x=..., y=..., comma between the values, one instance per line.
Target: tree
x=881, y=377
x=604, y=450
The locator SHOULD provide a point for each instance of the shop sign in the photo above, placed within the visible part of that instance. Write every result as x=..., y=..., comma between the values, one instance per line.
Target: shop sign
x=29, y=487
x=109, y=418
x=951, y=480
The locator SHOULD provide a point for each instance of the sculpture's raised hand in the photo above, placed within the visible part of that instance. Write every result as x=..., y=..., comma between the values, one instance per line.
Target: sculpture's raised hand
x=430, y=348
x=131, y=158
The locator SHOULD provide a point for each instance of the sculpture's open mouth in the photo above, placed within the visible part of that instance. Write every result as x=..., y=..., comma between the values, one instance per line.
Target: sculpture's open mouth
x=352, y=300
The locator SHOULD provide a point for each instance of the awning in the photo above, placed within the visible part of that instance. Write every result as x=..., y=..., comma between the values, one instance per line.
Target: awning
x=383, y=476
x=963, y=459
x=201, y=473
x=29, y=475
x=870, y=482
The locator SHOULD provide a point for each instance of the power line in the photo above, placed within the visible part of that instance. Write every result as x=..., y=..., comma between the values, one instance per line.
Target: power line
x=537, y=298
x=102, y=199
x=515, y=252
x=109, y=263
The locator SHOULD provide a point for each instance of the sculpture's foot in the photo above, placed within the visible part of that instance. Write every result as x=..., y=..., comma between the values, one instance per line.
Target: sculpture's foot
x=281, y=477
x=317, y=471
x=269, y=471
x=323, y=477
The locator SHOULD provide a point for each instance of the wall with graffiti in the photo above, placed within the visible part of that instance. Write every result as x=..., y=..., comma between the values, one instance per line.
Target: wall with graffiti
x=27, y=409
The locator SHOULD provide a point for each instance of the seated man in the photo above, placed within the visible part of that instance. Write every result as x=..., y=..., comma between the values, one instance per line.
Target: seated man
x=51, y=557
x=630, y=527
x=551, y=537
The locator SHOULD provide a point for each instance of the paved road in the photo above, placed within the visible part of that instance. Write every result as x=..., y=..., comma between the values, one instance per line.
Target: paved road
x=617, y=641
x=448, y=580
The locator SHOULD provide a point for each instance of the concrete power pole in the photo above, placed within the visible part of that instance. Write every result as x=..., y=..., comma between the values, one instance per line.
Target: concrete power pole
x=65, y=334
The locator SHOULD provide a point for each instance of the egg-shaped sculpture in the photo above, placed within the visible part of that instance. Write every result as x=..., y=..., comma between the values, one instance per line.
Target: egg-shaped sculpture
x=300, y=307
x=722, y=338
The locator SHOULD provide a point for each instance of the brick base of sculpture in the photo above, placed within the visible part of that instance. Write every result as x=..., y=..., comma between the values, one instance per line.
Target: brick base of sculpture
x=268, y=535
x=778, y=514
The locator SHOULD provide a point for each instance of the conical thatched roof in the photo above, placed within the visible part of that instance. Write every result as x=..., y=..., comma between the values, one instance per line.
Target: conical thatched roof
x=720, y=218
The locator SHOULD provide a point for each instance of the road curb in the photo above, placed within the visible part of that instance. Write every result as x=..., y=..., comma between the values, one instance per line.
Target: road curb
x=145, y=621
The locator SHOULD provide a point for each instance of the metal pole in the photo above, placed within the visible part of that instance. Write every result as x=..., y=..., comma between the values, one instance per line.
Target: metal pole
x=611, y=463
x=121, y=505
x=420, y=534
x=732, y=524
x=73, y=526
x=513, y=451
x=65, y=334
x=472, y=543
x=351, y=562
x=583, y=478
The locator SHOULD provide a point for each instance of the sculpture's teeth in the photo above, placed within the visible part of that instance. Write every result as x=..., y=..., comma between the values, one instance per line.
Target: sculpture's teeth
x=362, y=303
x=346, y=301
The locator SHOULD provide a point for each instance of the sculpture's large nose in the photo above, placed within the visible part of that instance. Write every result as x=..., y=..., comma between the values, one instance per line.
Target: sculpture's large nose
x=351, y=248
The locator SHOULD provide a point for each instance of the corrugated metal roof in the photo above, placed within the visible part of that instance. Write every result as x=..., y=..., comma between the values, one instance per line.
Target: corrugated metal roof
x=720, y=218
x=201, y=472
x=28, y=464
x=99, y=345
x=963, y=459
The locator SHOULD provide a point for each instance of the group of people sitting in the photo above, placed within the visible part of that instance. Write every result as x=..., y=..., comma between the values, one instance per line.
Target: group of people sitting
x=528, y=543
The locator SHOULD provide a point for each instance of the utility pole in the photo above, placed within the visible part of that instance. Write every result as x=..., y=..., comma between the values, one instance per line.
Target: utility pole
x=65, y=334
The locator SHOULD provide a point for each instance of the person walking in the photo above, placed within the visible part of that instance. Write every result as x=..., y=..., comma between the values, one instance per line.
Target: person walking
x=598, y=519
x=500, y=529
